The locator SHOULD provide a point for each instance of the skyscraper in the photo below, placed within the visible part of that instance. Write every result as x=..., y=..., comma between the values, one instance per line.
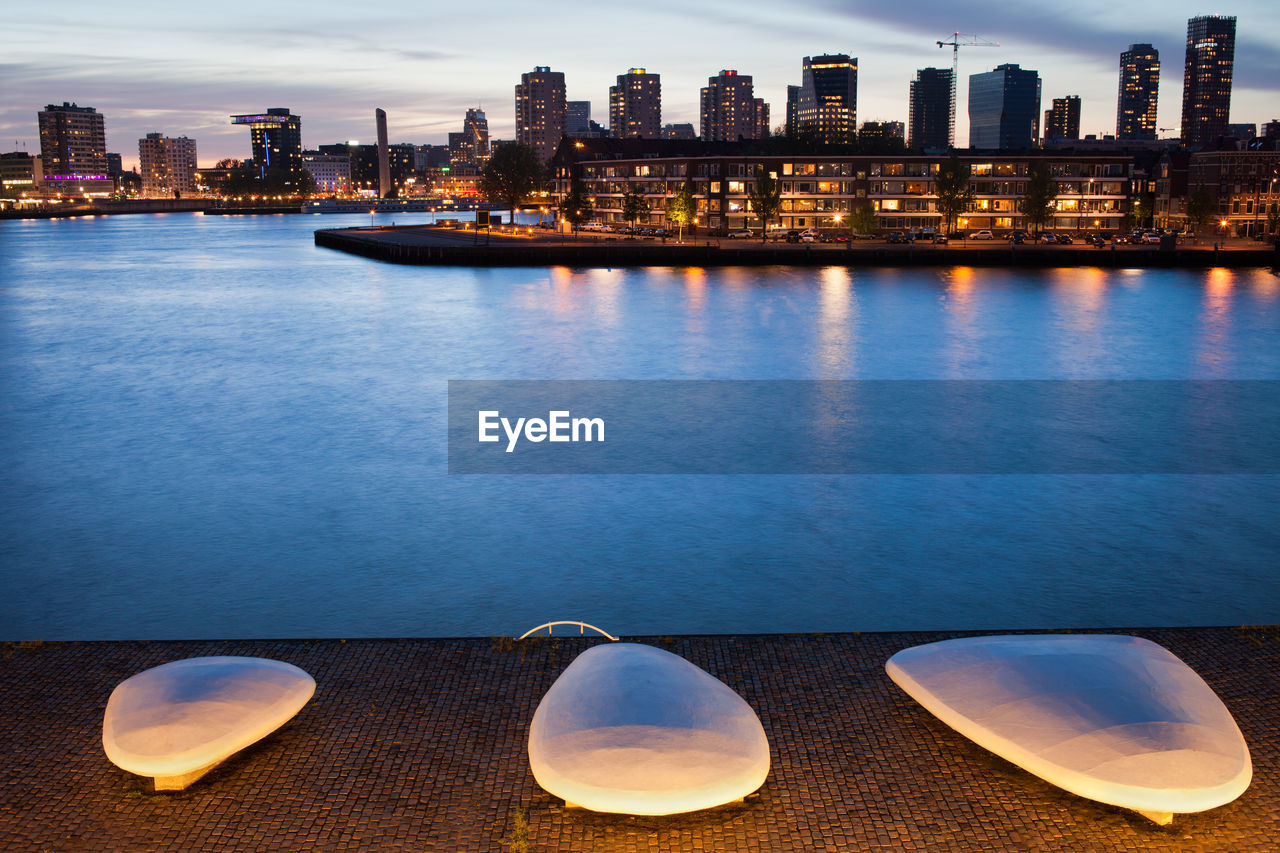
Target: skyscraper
x=1206, y=78
x=73, y=148
x=635, y=105
x=276, y=136
x=540, y=110
x=762, y=119
x=1004, y=108
x=932, y=115
x=793, y=103
x=728, y=107
x=1139, y=92
x=168, y=165
x=827, y=105
x=1063, y=120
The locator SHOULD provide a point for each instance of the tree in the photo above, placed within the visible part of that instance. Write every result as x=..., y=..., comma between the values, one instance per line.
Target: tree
x=1141, y=211
x=575, y=208
x=512, y=174
x=863, y=219
x=955, y=195
x=1037, y=205
x=1273, y=218
x=683, y=207
x=765, y=197
x=634, y=204
x=1200, y=210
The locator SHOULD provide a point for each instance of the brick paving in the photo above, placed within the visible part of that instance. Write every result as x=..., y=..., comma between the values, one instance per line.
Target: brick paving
x=419, y=745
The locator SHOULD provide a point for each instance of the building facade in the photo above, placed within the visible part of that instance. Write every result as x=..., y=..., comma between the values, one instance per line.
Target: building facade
x=635, y=105
x=73, y=150
x=1139, y=92
x=683, y=130
x=1063, y=120
x=1206, y=78
x=820, y=192
x=1004, y=108
x=168, y=166
x=882, y=130
x=276, y=138
x=331, y=172
x=1244, y=185
x=931, y=115
x=827, y=102
x=18, y=175
x=728, y=108
x=577, y=118
x=541, y=110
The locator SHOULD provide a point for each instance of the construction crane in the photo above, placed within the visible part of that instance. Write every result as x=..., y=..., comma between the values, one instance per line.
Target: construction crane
x=957, y=40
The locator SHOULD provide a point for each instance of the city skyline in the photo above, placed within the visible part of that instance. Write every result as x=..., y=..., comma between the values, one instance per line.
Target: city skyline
x=157, y=70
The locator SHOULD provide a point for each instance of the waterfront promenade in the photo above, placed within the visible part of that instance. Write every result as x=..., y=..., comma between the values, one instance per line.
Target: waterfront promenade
x=419, y=744
x=457, y=246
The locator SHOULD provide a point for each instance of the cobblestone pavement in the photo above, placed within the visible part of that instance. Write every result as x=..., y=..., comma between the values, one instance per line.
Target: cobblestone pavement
x=419, y=745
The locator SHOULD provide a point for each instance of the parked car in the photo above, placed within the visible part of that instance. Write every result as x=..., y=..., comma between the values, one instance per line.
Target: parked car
x=1017, y=237
x=793, y=236
x=1065, y=240
x=1049, y=239
x=1152, y=237
x=896, y=237
x=740, y=234
x=982, y=235
x=940, y=239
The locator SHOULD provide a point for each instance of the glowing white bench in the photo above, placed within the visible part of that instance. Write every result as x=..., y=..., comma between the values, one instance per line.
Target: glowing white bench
x=178, y=721
x=631, y=729
x=1116, y=719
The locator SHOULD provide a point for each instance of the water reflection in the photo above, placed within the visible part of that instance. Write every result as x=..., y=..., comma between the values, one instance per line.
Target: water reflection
x=1213, y=355
x=837, y=331
x=962, y=348
x=1080, y=309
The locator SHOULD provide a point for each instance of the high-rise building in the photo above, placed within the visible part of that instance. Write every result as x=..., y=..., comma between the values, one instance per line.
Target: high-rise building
x=1139, y=92
x=471, y=146
x=1004, y=108
x=540, y=110
x=932, y=113
x=577, y=118
x=73, y=149
x=762, y=119
x=276, y=136
x=635, y=105
x=476, y=126
x=1206, y=78
x=728, y=107
x=168, y=166
x=827, y=104
x=1063, y=120
x=679, y=131
x=793, y=103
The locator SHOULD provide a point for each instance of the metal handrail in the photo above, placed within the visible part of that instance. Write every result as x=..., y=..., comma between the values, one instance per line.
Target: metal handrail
x=581, y=627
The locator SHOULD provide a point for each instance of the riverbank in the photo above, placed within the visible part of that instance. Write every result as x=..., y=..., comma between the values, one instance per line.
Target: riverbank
x=436, y=245
x=114, y=207
x=419, y=744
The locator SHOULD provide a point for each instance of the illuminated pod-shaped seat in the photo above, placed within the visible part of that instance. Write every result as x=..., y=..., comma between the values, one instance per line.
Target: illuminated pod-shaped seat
x=632, y=729
x=178, y=721
x=1116, y=719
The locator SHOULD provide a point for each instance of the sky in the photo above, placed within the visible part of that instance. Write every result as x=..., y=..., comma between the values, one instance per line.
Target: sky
x=183, y=70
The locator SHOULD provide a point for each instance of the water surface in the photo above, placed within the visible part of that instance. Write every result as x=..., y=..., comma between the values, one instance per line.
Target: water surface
x=211, y=428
